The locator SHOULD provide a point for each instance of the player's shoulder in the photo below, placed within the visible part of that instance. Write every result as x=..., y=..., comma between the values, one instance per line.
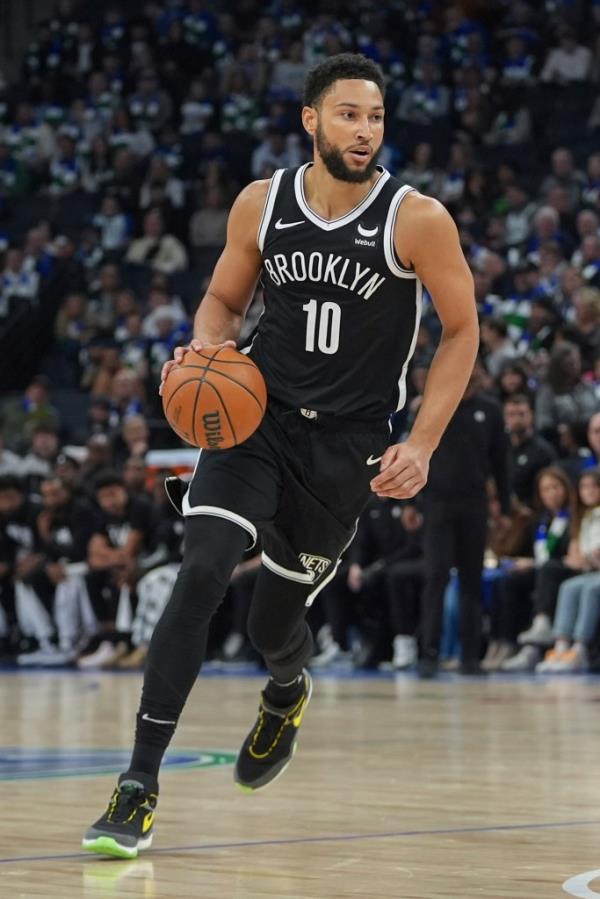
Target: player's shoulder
x=255, y=192
x=423, y=218
x=248, y=207
x=419, y=205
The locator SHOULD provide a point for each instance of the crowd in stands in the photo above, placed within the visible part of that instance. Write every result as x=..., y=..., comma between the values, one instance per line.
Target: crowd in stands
x=122, y=146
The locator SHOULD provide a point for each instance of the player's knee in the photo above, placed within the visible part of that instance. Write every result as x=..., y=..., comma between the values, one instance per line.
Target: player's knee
x=201, y=585
x=267, y=635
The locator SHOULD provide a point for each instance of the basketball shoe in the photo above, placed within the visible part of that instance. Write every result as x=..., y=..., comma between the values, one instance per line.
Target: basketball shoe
x=126, y=826
x=270, y=746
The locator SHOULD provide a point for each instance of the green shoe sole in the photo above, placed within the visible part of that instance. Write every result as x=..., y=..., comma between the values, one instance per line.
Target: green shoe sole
x=109, y=846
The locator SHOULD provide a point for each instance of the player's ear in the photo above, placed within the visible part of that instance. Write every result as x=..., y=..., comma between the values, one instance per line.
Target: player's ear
x=309, y=119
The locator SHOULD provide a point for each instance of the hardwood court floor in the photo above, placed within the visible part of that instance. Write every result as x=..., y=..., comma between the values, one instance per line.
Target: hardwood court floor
x=402, y=789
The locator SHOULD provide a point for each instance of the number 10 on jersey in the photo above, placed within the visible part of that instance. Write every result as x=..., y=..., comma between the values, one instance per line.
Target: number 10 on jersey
x=324, y=323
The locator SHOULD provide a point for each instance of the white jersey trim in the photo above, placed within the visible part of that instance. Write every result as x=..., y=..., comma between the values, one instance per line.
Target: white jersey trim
x=312, y=596
x=268, y=208
x=345, y=219
x=219, y=512
x=413, y=343
x=287, y=573
x=388, y=235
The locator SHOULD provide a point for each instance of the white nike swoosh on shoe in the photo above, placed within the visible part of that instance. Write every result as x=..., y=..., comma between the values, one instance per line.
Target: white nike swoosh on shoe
x=279, y=225
x=368, y=232
x=372, y=461
x=146, y=717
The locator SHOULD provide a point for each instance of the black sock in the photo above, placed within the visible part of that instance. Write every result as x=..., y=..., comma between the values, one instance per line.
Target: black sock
x=284, y=695
x=151, y=741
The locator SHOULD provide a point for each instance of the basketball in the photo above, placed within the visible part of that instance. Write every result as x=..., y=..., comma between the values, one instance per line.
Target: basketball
x=215, y=399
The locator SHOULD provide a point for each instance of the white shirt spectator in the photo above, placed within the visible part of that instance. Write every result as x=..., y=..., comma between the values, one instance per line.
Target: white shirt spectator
x=114, y=230
x=569, y=62
x=16, y=281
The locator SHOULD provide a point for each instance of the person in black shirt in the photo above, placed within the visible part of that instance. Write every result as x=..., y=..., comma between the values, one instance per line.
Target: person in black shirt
x=19, y=561
x=528, y=452
x=474, y=446
x=62, y=530
x=17, y=538
x=124, y=536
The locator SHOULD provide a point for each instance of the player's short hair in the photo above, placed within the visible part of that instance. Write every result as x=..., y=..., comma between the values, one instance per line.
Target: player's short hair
x=343, y=65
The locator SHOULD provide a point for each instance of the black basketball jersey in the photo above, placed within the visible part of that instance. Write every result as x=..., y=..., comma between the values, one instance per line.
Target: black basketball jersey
x=341, y=313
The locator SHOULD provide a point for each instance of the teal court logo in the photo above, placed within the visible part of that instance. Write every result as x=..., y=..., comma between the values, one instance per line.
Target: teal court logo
x=18, y=763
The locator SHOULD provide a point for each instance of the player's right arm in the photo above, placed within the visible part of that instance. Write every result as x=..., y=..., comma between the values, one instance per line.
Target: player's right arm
x=221, y=312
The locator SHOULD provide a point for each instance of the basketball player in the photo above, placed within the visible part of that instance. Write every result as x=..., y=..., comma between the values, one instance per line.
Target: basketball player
x=343, y=251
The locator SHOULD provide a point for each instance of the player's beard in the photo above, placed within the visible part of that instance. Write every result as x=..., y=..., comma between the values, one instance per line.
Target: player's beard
x=334, y=161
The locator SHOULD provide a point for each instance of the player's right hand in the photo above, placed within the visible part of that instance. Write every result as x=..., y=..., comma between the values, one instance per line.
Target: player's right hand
x=180, y=351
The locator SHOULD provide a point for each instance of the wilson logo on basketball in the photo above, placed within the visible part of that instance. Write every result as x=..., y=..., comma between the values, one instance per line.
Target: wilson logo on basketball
x=316, y=564
x=212, y=428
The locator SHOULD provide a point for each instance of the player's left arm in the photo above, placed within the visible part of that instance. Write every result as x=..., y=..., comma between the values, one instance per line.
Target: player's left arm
x=427, y=237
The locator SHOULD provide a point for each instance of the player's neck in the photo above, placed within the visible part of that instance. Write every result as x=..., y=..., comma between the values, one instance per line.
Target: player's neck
x=328, y=196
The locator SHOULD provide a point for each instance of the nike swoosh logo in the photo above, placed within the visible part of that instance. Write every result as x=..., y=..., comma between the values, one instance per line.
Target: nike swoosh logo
x=279, y=225
x=156, y=720
x=297, y=720
x=147, y=822
x=372, y=461
x=366, y=232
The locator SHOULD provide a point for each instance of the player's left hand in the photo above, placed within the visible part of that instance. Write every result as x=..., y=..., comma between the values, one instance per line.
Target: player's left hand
x=403, y=471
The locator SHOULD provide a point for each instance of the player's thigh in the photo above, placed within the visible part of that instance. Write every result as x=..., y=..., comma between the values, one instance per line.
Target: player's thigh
x=278, y=606
x=242, y=485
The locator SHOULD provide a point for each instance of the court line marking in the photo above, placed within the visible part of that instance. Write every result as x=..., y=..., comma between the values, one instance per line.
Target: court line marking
x=579, y=885
x=334, y=838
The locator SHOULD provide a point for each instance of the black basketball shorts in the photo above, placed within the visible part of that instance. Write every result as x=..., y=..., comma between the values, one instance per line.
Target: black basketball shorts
x=299, y=482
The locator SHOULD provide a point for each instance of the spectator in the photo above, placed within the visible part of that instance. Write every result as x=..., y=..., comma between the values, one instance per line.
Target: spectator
x=104, y=297
x=18, y=284
x=134, y=476
x=498, y=345
x=529, y=453
x=564, y=397
x=288, y=73
x=57, y=587
x=134, y=440
x=567, y=63
x=124, y=534
x=161, y=189
x=578, y=607
x=420, y=172
x=162, y=252
x=455, y=512
x=427, y=100
x=18, y=559
x=113, y=225
x=197, y=109
x=512, y=124
x=149, y=106
x=536, y=574
x=404, y=577
x=20, y=415
x=586, y=302
x=564, y=174
x=276, y=151
x=208, y=225
x=38, y=461
x=513, y=379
